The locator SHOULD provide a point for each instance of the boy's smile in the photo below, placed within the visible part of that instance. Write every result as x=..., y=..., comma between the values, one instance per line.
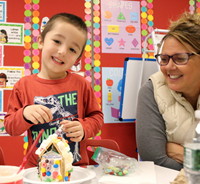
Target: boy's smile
x=61, y=48
x=57, y=61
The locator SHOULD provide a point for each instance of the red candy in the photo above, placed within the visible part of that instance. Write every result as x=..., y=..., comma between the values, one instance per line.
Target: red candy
x=43, y=174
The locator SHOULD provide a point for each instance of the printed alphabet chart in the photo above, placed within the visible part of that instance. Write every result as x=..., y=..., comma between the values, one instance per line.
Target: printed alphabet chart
x=120, y=26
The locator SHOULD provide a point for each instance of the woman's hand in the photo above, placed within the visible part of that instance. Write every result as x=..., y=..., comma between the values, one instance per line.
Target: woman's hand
x=175, y=151
x=37, y=114
x=74, y=130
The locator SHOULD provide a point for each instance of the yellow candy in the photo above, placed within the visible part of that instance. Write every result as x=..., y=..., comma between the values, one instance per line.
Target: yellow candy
x=57, y=140
x=66, y=173
x=66, y=145
x=59, y=177
x=57, y=162
x=43, y=170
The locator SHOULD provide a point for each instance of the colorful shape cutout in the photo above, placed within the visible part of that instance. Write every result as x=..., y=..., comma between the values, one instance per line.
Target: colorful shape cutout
x=134, y=42
x=130, y=29
x=134, y=16
x=121, y=16
x=107, y=14
x=109, y=41
x=122, y=42
x=113, y=28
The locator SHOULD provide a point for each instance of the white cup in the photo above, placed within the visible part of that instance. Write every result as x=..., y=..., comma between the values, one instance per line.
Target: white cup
x=8, y=175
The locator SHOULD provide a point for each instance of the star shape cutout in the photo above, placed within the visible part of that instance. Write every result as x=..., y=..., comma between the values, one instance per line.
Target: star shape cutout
x=122, y=42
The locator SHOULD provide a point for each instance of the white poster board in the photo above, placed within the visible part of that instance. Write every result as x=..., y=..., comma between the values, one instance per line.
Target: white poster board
x=131, y=85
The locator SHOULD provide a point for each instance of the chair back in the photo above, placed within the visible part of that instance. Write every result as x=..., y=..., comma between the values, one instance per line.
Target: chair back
x=106, y=143
x=2, y=159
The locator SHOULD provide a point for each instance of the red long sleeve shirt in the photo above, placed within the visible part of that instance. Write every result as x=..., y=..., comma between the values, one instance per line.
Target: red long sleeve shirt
x=71, y=97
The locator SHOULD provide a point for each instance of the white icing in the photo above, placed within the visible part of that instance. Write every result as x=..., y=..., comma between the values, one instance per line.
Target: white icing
x=69, y=157
x=68, y=166
x=40, y=149
x=53, y=136
x=64, y=153
x=61, y=145
x=67, y=149
x=45, y=142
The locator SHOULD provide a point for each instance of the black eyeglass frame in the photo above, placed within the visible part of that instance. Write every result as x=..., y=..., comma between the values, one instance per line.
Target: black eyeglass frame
x=189, y=54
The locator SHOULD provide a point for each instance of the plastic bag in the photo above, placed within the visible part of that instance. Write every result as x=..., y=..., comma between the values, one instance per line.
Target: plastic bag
x=113, y=162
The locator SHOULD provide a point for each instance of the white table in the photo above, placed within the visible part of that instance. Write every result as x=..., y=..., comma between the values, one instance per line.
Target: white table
x=146, y=173
x=163, y=175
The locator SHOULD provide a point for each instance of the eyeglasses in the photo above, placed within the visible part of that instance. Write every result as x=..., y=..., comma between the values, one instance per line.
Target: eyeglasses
x=179, y=58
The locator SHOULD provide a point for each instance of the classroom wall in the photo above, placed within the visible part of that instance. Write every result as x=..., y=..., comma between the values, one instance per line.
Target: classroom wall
x=123, y=133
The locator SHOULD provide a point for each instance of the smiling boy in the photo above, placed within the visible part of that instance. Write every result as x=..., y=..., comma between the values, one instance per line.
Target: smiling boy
x=55, y=96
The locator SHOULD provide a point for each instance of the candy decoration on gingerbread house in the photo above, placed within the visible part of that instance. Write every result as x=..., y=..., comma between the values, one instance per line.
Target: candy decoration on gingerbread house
x=55, y=160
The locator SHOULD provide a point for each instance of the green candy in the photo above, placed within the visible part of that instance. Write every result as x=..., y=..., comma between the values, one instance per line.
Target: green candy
x=47, y=180
x=116, y=170
x=120, y=174
x=125, y=171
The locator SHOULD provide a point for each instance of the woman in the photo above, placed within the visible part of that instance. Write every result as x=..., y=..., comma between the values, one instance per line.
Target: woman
x=167, y=102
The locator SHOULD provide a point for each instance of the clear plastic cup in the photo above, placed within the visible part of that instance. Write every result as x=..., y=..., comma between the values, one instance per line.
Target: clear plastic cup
x=8, y=175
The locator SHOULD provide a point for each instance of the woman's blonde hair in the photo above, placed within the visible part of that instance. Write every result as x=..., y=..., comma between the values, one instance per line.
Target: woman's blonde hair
x=186, y=30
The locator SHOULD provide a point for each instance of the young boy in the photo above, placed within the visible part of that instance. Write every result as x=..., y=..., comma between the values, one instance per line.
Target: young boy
x=53, y=96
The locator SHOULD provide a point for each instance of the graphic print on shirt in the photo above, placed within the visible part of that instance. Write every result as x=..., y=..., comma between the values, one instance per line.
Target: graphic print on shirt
x=63, y=107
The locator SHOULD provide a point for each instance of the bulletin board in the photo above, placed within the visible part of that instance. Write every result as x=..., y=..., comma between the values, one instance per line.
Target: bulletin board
x=33, y=13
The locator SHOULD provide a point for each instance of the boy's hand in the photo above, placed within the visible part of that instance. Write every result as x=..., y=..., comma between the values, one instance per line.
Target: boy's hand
x=37, y=114
x=74, y=130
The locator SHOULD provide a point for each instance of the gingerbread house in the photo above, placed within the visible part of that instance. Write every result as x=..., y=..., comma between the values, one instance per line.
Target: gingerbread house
x=55, y=160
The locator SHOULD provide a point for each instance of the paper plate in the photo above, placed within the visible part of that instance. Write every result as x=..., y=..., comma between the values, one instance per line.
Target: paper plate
x=78, y=175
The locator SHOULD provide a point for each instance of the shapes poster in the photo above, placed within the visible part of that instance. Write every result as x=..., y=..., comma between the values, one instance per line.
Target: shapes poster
x=111, y=93
x=121, y=31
